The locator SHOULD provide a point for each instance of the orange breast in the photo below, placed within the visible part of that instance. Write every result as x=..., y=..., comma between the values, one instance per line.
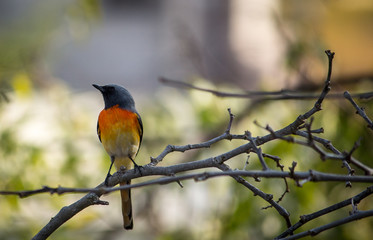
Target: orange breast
x=119, y=132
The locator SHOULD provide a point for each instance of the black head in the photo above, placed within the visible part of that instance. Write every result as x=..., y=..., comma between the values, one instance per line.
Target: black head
x=116, y=95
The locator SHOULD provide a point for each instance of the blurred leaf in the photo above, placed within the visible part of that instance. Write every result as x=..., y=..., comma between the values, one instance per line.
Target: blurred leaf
x=22, y=84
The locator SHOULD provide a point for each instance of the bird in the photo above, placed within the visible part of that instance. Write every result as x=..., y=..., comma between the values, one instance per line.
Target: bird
x=120, y=130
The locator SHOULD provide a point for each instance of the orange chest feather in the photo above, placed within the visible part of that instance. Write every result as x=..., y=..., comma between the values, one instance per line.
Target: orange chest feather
x=119, y=131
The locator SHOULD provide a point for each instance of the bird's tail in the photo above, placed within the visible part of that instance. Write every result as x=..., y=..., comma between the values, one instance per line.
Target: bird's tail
x=126, y=207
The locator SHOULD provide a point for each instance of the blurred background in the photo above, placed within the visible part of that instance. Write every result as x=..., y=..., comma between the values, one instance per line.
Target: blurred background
x=51, y=52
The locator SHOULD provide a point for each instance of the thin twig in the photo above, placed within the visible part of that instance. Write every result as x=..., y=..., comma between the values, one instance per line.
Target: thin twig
x=207, y=144
x=257, y=150
x=267, y=197
x=279, y=165
x=359, y=110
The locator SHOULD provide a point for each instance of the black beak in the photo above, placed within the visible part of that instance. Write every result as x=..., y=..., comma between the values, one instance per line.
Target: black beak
x=101, y=89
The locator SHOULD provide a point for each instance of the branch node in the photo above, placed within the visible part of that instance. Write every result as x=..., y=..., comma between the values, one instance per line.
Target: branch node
x=246, y=162
x=257, y=150
x=153, y=161
x=303, y=219
x=269, y=197
x=354, y=207
x=100, y=202
x=257, y=179
x=201, y=177
x=292, y=168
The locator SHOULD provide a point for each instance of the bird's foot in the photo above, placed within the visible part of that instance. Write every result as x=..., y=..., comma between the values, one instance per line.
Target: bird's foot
x=107, y=179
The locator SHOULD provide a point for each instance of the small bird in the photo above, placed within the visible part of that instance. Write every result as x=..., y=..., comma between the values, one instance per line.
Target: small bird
x=120, y=130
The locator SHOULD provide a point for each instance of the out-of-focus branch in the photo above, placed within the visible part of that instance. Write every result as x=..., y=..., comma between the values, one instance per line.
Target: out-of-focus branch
x=263, y=95
x=3, y=96
x=269, y=95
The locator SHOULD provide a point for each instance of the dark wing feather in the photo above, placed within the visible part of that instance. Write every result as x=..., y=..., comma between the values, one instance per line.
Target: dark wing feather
x=140, y=129
x=98, y=132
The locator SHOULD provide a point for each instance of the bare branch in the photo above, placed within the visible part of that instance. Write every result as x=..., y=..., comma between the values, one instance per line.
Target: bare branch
x=327, y=81
x=267, y=197
x=328, y=145
x=148, y=170
x=312, y=232
x=276, y=159
x=359, y=110
x=231, y=116
x=67, y=213
x=207, y=144
x=306, y=218
x=257, y=150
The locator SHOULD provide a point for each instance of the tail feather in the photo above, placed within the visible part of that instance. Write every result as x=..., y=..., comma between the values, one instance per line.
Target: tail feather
x=126, y=207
